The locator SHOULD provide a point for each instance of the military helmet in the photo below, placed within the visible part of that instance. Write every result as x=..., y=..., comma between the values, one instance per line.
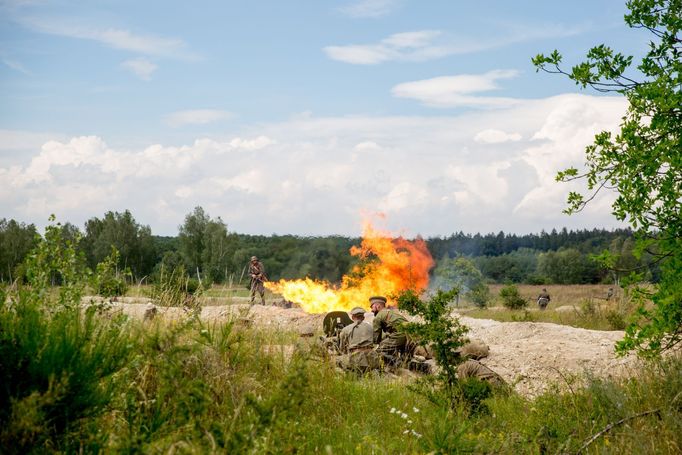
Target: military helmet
x=377, y=298
x=357, y=310
x=254, y=258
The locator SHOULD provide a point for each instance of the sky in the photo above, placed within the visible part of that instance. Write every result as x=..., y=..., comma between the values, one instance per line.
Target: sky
x=302, y=117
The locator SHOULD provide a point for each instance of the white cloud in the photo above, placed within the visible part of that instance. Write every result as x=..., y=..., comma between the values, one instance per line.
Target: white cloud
x=414, y=46
x=251, y=144
x=423, y=45
x=370, y=8
x=367, y=146
x=402, y=196
x=312, y=175
x=140, y=67
x=197, y=117
x=16, y=66
x=455, y=91
x=560, y=143
x=493, y=136
x=112, y=37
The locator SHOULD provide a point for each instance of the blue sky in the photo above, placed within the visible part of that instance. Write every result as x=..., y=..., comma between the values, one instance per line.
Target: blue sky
x=299, y=116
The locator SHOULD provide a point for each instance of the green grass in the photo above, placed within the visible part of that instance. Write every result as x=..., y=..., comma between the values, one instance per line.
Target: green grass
x=129, y=386
x=576, y=318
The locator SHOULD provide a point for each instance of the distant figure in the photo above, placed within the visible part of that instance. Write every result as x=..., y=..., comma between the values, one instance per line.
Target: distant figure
x=609, y=294
x=543, y=299
x=257, y=274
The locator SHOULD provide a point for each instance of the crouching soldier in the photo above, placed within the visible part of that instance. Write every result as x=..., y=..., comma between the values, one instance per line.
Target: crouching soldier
x=475, y=369
x=355, y=342
x=388, y=334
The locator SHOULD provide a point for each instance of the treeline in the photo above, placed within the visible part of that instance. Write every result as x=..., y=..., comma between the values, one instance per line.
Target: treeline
x=207, y=250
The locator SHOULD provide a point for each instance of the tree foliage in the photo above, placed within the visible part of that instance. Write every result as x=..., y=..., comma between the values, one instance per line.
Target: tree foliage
x=642, y=163
x=440, y=330
x=16, y=240
x=133, y=241
x=205, y=245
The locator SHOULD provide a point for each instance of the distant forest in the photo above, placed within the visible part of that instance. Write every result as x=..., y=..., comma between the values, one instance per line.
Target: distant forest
x=205, y=247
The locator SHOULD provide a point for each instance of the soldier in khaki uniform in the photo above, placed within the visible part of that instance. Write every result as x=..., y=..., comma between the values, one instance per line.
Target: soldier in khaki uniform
x=355, y=341
x=475, y=369
x=357, y=335
x=257, y=274
x=388, y=336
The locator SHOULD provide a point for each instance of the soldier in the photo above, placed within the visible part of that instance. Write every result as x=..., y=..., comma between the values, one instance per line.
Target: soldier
x=391, y=340
x=609, y=294
x=257, y=274
x=543, y=299
x=358, y=335
x=475, y=369
x=355, y=341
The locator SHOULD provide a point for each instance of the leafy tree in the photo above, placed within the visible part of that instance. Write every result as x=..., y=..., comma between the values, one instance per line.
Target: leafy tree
x=460, y=273
x=133, y=241
x=568, y=266
x=205, y=245
x=108, y=281
x=16, y=240
x=642, y=162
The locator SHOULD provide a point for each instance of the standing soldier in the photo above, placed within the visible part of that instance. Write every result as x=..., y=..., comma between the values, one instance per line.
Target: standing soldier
x=257, y=274
x=543, y=299
x=389, y=337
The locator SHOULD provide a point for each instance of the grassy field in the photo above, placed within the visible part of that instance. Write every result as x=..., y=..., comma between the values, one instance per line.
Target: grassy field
x=124, y=386
x=583, y=306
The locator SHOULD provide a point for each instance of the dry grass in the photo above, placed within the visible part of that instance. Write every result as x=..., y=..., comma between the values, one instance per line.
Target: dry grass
x=561, y=294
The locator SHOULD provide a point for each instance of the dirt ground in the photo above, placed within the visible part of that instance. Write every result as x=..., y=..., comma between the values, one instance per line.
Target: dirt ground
x=528, y=355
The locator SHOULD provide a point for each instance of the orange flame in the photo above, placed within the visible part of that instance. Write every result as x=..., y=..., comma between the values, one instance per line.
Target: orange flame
x=388, y=265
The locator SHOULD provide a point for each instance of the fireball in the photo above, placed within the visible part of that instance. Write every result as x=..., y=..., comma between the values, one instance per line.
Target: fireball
x=387, y=266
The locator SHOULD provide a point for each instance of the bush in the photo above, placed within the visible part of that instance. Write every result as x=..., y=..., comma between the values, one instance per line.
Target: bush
x=107, y=281
x=444, y=333
x=58, y=361
x=480, y=295
x=511, y=297
x=616, y=320
x=192, y=286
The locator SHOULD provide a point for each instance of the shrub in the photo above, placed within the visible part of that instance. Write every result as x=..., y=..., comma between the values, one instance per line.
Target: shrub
x=480, y=295
x=615, y=319
x=107, y=281
x=444, y=333
x=58, y=361
x=511, y=297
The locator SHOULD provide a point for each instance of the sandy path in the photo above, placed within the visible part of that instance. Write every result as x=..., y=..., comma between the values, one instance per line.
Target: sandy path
x=529, y=355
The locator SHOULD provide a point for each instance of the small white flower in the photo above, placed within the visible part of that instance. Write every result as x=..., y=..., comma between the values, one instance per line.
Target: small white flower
x=409, y=421
x=406, y=431
x=415, y=409
x=392, y=411
x=417, y=435
x=403, y=415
